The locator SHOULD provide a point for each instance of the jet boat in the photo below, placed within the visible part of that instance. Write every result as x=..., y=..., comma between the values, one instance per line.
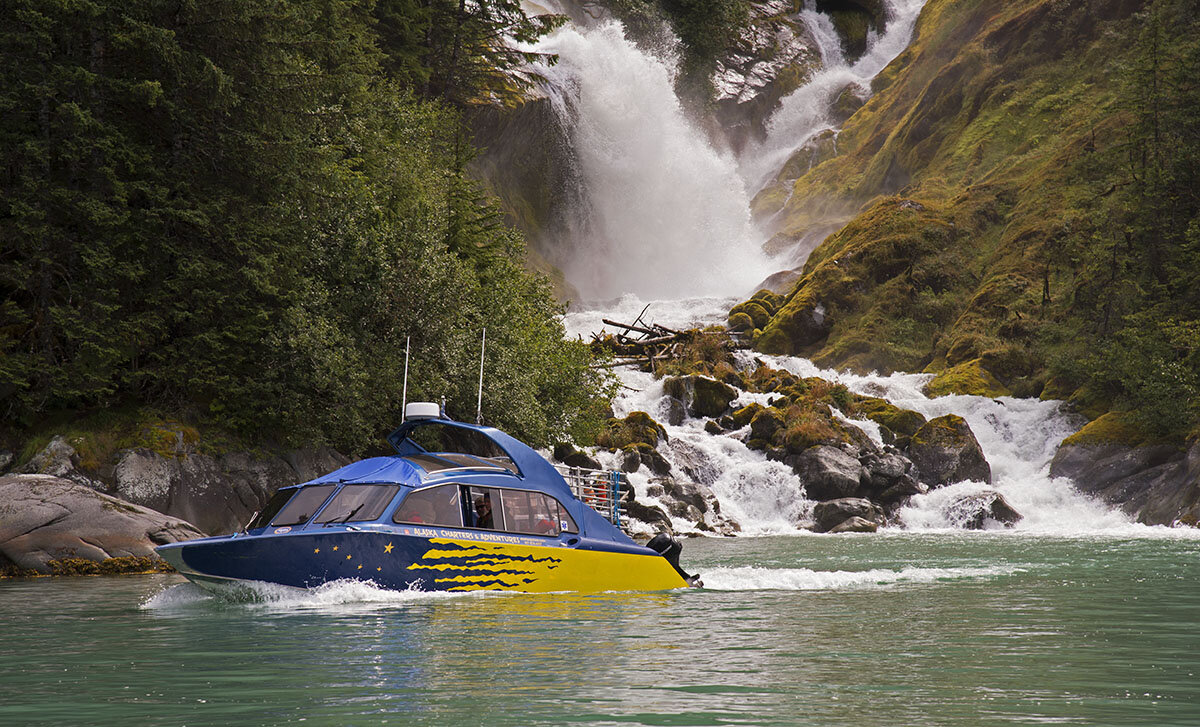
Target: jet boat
x=459, y=507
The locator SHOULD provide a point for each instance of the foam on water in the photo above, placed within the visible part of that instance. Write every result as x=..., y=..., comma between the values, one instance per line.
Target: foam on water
x=1018, y=438
x=337, y=595
x=750, y=578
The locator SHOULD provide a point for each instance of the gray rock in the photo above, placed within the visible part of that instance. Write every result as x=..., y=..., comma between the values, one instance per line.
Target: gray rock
x=703, y=397
x=59, y=459
x=1156, y=484
x=218, y=495
x=827, y=472
x=855, y=525
x=945, y=451
x=652, y=515
x=973, y=510
x=630, y=460
x=904, y=488
x=676, y=411
x=45, y=518
x=828, y=514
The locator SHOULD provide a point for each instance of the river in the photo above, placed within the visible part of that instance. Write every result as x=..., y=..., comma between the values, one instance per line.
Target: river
x=900, y=628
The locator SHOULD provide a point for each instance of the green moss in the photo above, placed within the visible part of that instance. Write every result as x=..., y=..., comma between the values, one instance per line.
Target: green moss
x=742, y=416
x=741, y=322
x=1111, y=428
x=969, y=378
x=942, y=431
x=900, y=421
x=637, y=428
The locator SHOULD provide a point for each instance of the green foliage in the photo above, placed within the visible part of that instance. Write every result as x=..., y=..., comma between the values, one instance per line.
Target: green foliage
x=463, y=53
x=224, y=210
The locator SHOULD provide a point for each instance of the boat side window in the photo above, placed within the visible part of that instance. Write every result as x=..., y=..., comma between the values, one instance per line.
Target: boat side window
x=566, y=523
x=531, y=512
x=432, y=506
x=483, y=507
x=272, y=508
x=302, y=506
x=358, y=503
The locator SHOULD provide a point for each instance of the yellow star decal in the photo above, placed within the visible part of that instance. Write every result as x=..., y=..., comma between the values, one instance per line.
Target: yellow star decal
x=379, y=568
x=387, y=548
x=348, y=557
x=335, y=547
x=316, y=550
x=360, y=567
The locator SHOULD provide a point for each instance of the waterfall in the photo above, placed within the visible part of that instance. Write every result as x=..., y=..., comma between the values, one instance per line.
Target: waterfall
x=664, y=215
x=662, y=212
x=804, y=113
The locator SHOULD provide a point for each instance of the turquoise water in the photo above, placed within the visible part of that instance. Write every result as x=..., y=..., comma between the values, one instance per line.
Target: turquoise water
x=900, y=629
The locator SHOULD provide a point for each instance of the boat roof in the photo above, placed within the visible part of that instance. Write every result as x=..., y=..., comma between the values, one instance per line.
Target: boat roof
x=477, y=449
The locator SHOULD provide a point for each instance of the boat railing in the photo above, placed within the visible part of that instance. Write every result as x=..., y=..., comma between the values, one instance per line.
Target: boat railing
x=599, y=489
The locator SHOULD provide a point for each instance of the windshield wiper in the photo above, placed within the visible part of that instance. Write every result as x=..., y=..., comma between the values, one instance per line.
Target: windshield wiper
x=346, y=519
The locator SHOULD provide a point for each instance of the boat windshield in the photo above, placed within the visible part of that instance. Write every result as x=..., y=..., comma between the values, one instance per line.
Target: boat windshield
x=451, y=442
x=358, y=503
x=304, y=504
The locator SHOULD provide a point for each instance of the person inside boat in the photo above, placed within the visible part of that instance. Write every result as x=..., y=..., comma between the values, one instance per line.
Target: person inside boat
x=483, y=512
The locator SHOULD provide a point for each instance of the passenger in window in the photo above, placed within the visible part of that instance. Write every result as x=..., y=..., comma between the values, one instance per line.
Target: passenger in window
x=483, y=512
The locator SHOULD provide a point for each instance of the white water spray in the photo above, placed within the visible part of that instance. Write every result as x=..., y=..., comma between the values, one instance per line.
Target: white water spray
x=665, y=214
x=805, y=113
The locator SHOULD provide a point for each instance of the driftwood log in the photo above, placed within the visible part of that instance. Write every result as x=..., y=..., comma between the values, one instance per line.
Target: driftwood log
x=641, y=344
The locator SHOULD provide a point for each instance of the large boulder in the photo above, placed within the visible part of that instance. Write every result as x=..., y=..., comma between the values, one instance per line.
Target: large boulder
x=59, y=459
x=973, y=510
x=44, y=519
x=945, y=451
x=703, y=397
x=1156, y=484
x=216, y=494
x=828, y=473
x=831, y=513
x=855, y=525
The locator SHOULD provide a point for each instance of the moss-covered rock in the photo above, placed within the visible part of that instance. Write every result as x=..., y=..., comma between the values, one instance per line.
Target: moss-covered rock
x=883, y=412
x=969, y=378
x=1111, y=428
x=801, y=322
x=638, y=427
x=740, y=322
x=766, y=422
x=945, y=451
x=703, y=397
x=743, y=416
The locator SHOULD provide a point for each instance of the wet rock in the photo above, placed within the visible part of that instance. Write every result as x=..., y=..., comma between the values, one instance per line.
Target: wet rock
x=703, y=397
x=45, y=518
x=630, y=460
x=774, y=56
x=828, y=473
x=676, y=411
x=59, y=459
x=827, y=515
x=802, y=323
x=713, y=428
x=766, y=422
x=904, y=488
x=945, y=451
x=638, y=427
x=850, y=99
x=971, y=511
x=571, y=457
x=1156, y=484
x=646, y=455
x=855, y=525
x=652, y=515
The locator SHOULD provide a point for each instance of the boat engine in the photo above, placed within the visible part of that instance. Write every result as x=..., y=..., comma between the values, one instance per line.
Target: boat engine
x=670, y=548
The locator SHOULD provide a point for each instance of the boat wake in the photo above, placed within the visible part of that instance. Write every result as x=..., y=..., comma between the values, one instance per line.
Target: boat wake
x=751, y=578
x=335, y=595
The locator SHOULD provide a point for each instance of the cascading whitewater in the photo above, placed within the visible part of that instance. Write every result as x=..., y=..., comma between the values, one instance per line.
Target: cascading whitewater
x=659, y=209
x=1018, y=438
x=806, y=111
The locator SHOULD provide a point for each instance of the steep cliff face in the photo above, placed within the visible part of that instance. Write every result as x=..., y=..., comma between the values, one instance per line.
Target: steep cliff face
x=957, y=179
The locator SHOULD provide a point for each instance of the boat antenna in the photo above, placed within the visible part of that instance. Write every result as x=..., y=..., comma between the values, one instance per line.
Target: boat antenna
x=404, y=396
x=479, y=401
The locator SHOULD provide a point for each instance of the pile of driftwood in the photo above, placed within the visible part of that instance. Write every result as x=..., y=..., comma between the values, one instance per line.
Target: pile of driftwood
x=641, y=344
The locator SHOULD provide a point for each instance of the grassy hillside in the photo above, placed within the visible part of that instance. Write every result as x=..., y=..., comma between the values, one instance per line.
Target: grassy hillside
x=1018, y=211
